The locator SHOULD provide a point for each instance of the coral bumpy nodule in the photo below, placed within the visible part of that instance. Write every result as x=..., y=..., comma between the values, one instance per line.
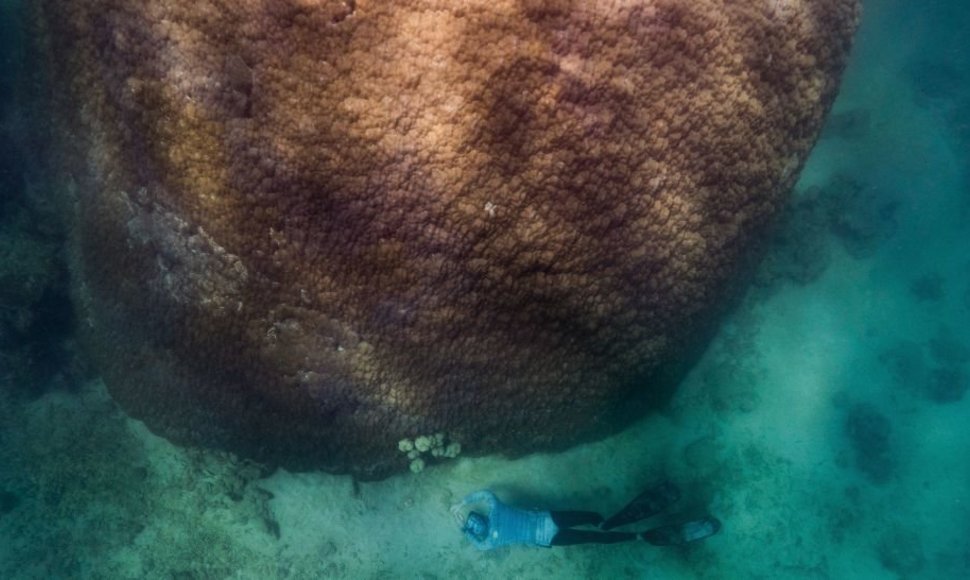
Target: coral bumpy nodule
x=306, y=230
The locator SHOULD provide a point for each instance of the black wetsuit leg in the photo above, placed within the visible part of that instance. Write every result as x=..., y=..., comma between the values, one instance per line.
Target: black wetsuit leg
x=568, y=519
x=569, y=537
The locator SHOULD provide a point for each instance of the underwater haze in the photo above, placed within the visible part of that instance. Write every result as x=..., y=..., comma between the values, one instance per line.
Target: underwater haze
x=827, y=426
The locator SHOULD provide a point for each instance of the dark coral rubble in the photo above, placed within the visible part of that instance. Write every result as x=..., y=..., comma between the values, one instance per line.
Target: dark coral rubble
x=869, y=432
x=306, y=230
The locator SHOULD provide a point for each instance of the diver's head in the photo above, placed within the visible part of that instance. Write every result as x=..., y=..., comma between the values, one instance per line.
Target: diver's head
x=477, y=525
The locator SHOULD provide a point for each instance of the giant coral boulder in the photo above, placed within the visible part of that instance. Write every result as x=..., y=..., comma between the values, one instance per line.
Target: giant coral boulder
x=307, y=229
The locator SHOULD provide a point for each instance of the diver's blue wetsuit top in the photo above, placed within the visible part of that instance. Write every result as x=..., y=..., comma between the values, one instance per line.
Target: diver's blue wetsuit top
x=509, y=525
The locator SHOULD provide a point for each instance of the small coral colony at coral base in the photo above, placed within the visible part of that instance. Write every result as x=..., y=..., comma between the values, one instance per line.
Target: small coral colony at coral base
x=310, y=232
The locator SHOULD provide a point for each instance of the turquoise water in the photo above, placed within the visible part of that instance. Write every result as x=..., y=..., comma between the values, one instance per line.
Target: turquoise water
x=828, y=425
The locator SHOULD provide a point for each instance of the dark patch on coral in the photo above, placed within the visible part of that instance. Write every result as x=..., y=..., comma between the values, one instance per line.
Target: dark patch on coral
x=928, y=288
x=239, y=85
x=869, y=431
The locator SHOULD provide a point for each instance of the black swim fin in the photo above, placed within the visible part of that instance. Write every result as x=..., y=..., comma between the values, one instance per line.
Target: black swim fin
x=681, y=534
x=648, y=503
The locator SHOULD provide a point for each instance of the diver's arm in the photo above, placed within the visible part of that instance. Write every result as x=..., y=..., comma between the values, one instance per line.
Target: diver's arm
x=485, y=497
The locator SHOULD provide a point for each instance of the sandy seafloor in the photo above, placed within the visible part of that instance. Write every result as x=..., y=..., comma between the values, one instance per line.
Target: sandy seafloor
x=828, y=425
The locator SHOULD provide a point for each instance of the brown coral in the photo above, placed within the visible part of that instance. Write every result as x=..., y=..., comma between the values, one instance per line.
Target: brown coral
x=307, y=229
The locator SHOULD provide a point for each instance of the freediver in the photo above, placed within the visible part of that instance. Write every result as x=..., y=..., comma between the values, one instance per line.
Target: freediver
x=499, y=524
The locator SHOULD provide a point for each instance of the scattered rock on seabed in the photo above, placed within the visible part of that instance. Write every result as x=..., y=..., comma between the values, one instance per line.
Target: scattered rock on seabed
x=901, y=551
x=947, y=349
x=928, y=288
x=947, y=385
x=850, y=125
x=861, y=216
x=798, y=247
x=868, y=431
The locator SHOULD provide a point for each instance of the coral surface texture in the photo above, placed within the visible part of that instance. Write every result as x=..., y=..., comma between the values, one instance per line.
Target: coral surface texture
x=304, y=230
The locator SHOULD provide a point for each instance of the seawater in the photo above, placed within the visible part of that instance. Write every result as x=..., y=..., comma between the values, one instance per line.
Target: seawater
x=827, y=426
